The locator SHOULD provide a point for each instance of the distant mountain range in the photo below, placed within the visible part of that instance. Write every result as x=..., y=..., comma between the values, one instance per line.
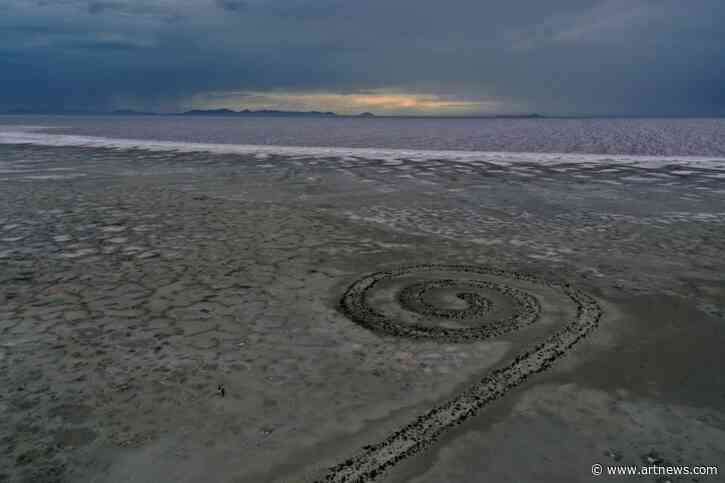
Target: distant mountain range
x=264, y=112
x=194, y=112
x=244, y=113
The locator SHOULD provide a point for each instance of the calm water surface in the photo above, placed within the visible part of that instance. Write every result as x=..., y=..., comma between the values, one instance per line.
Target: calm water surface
x=666, y=137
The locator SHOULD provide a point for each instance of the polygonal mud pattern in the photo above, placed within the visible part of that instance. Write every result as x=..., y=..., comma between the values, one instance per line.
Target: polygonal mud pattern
x=373, y=460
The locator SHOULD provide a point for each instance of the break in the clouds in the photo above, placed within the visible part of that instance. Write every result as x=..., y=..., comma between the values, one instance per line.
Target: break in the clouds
x=381, y=102
x=647, y=57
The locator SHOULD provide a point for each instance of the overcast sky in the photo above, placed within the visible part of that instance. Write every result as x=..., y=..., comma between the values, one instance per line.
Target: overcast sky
x=641, y=57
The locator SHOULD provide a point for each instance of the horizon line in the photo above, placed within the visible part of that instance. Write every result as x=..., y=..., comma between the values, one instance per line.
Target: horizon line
x=220, y=112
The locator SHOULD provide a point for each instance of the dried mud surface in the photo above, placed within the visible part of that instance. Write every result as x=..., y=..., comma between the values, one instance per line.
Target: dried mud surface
x=366, y=319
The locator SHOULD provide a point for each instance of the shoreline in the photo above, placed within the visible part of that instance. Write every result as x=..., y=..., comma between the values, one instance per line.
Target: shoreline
x=20, y=135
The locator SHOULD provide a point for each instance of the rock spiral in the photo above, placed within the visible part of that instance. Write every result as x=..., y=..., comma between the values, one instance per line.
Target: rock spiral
x=436, y=298
x=457, y=303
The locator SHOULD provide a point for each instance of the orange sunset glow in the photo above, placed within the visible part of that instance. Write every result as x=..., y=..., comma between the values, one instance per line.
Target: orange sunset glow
x=375, y=101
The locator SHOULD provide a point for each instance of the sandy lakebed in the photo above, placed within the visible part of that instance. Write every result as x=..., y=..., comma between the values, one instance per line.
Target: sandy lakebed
x=183, y=316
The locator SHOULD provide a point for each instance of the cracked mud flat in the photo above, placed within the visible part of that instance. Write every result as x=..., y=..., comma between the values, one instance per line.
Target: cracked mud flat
x=134, y=282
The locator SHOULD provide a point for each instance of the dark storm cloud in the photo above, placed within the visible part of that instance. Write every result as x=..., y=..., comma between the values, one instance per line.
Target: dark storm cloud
x=120, y=7
x=559, y=56
x=232, y=5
